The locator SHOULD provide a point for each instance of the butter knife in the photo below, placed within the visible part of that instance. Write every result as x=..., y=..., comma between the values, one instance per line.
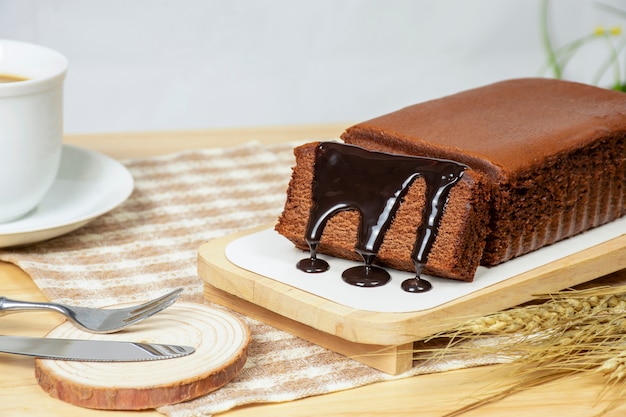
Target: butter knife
x=90, y=350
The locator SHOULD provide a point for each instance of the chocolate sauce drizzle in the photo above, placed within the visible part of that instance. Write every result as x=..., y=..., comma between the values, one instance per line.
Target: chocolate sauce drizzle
x=347, y=177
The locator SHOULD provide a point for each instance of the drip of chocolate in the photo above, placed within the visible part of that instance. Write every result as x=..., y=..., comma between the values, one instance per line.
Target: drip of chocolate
x=417, y=283
x=366, y=275
x=347, y=177
x=438, y=186
x=312, y=264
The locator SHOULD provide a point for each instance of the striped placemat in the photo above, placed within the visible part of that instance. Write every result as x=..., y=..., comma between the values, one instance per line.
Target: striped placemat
x=149, y=245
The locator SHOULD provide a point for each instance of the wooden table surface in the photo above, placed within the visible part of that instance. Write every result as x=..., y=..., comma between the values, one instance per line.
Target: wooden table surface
x=427, y=395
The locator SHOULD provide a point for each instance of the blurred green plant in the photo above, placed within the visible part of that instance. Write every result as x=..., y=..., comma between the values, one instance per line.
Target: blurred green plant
x=613, y=39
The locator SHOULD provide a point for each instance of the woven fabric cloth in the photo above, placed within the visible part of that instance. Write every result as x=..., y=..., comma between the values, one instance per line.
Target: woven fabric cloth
x=149, y=244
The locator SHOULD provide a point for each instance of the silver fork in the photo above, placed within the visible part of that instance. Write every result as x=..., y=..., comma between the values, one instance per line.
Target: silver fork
x=96, y=320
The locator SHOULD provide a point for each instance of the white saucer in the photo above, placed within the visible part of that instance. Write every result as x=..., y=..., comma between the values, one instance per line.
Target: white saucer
x=88, y=185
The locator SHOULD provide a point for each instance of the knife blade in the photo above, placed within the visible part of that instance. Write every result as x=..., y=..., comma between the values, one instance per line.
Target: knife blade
x=90, y=350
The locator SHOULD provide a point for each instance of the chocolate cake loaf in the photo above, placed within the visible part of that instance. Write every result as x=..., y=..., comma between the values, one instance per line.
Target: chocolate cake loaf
x=554, y=151
x=546, y=160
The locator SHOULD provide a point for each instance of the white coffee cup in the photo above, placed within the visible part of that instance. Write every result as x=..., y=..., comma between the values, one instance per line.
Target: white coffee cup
x=31, y=125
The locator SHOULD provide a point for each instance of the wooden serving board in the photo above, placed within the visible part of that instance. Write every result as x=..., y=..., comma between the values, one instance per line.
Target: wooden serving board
x=220, y=340
x=385, y=340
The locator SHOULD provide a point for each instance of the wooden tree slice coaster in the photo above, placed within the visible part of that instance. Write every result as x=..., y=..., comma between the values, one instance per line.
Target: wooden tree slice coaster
x=220, y=339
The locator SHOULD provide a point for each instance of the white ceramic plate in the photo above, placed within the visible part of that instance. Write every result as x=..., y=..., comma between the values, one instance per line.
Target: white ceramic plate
x=88, y=185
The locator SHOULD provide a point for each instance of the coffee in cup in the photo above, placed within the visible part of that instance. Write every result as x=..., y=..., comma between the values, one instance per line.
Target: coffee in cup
x=10, y=78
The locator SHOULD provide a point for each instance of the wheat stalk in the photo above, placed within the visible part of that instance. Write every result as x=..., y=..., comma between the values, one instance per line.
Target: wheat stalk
x=569, y=332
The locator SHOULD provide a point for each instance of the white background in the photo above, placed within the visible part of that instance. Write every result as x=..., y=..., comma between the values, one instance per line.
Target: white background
x=189, y=64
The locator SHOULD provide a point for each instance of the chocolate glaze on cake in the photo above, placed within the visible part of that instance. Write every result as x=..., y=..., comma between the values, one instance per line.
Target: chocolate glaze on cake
x=457, y=246
x=373, y=183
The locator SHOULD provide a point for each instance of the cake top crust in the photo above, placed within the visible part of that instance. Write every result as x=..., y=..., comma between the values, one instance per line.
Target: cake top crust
x=506, y=127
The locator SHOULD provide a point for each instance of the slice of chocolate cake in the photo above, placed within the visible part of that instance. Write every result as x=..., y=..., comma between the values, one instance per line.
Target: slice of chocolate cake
x=394, y=210
x=554, y=154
